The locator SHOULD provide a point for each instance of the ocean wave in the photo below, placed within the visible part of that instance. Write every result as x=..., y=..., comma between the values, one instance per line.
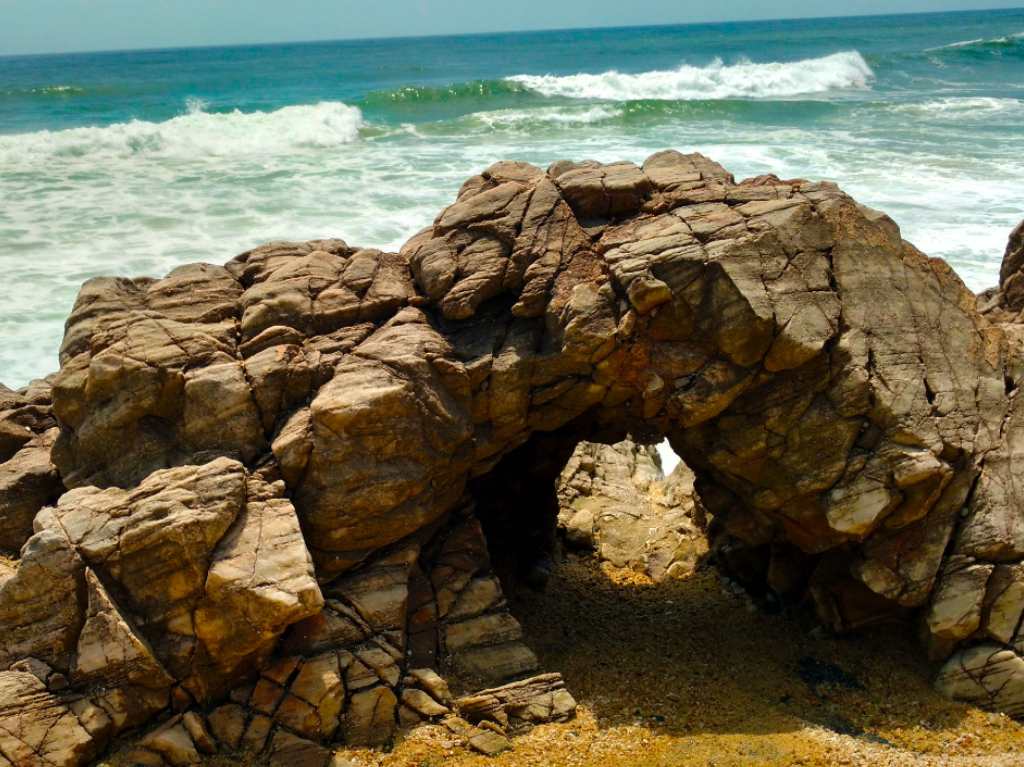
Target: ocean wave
x=418, y=94
x=555, y=116
x=44, y=91
x=632, y=115
x=195, y=134
x=981, y=43
x=958, y=108
x=846, y=70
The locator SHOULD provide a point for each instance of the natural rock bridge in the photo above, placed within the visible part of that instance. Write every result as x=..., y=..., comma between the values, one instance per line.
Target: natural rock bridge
x=283, y=475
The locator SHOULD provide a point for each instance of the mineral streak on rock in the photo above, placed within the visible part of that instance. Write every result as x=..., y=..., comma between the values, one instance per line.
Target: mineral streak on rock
x=273, y=526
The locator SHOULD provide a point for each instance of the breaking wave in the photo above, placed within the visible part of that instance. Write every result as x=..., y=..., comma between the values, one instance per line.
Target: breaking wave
x=195, y=134
x=846, y=70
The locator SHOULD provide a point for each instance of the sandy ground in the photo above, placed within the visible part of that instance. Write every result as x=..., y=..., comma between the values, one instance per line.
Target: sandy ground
x=687, y=673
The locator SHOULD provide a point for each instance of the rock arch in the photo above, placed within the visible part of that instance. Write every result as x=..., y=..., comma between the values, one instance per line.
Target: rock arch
x=270, y=531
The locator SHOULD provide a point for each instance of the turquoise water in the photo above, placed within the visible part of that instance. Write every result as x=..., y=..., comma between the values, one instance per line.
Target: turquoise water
x=134, y=162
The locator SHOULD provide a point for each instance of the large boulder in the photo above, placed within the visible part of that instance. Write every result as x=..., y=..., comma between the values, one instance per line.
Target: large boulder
x=279, y=464
x=616, y=501
x=209, y=559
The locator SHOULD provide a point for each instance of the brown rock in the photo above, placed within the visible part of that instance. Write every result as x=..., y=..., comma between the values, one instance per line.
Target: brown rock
x=851, y=420
x=36, y=728
x=288, y=750
x=370, y=717
x=173, y=742
x=28, y=482
x=227, y=723
x=488, y=743
x=196, y=727
x=615, y=500
x=23, y=416
x=39, y=607
x=259, y=582
x=111, y=655
x=109, y=649
x=520, y=705
x=155, y=543
x=315, y=698
x=1011, y=280
x=423, y=704
x=255, y=736
x=13, y=437
x=428, y=680
x=213, y=561
x=987, y=675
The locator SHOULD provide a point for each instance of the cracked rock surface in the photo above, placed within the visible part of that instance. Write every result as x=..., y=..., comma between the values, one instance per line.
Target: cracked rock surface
x=247, y=513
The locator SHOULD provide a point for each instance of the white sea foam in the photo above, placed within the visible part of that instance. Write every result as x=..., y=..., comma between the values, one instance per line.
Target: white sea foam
x=195, y=105
x=526, y=118
x=194, y=134
x=44, y=90
x=846, y=70
x=53, y=90
x=958, y=108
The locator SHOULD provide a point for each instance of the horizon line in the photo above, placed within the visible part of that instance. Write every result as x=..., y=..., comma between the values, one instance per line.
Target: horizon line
x=376, y=38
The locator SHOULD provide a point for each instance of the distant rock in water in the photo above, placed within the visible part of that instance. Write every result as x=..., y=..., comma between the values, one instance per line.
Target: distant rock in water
x=616, y=502
x=255, y=509
x=1008, y=298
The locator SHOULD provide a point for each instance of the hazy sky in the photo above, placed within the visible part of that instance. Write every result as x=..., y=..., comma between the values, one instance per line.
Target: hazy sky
x=34, y=26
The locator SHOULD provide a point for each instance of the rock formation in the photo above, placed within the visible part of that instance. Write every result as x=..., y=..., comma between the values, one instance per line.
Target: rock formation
x=616, y=501
x=284, y=475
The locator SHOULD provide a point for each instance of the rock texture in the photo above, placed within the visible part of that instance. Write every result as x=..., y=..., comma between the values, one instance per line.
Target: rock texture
x=275, y=523
x=616, y=501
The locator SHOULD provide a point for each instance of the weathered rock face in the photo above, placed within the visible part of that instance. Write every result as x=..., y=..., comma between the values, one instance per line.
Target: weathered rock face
x=1011, y=273
x=616, y=501
x=271, y=526
x=28, y=478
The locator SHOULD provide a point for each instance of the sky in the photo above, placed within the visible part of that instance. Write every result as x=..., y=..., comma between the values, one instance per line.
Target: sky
x=51, y=26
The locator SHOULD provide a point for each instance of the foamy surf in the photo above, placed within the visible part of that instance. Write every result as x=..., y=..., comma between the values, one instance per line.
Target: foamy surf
x=846, y=70
x=554, y=116
x=195, y=134
x=965, y=108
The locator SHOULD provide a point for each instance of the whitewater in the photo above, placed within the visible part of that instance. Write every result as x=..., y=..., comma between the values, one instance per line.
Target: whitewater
x=193, y=135
x=134, y=163
x=745, y=79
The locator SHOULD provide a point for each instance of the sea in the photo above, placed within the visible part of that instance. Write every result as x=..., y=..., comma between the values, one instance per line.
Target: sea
x=133, y=162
